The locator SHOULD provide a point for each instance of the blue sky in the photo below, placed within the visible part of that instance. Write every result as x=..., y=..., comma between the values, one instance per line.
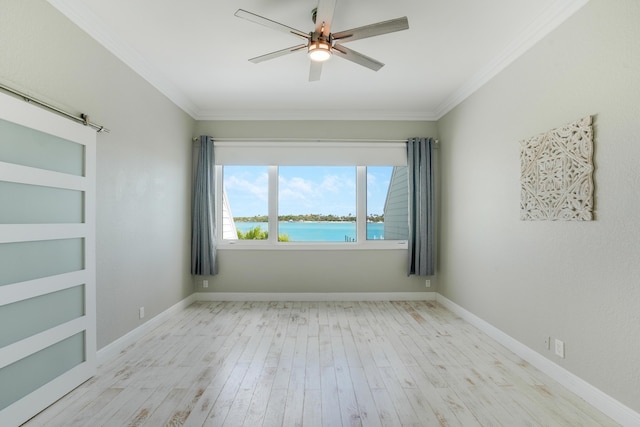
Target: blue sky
x=304, y=190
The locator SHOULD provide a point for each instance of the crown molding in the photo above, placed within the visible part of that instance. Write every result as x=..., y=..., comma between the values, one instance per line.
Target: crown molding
x=546, y=22
x=316, y=115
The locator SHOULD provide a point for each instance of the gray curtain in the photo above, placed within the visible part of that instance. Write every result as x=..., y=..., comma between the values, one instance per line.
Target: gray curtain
x=421, y=206
x=203, y=225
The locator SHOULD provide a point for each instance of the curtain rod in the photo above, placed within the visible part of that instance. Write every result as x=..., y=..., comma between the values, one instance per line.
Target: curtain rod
x=194, y=139
x=83, y=118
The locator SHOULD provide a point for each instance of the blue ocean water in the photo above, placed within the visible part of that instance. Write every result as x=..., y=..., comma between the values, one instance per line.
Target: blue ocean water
x=319, y=231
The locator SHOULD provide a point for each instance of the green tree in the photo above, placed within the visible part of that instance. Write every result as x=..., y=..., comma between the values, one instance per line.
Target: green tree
x=257, y=233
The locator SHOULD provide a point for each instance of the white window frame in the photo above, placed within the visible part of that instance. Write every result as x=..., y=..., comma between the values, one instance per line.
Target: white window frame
x=279, y=153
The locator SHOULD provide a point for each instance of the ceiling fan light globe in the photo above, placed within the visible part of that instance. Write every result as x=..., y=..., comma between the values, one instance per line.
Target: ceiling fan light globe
x=319, y=55
x=319, y=51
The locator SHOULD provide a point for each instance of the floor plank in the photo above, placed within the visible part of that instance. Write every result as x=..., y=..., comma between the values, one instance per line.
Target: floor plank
x=407, y=363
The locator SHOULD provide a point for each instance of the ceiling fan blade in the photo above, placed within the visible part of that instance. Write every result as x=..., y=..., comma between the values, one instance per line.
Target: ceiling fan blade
x=324, y=16
x=277, y=53
x=249, y=16
x=371, y=30
x=358, y=58
x=315, y=70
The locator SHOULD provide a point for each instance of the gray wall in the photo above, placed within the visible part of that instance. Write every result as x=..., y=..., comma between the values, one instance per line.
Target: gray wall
x=143, y=183
x=314, y=270
x=576, y=281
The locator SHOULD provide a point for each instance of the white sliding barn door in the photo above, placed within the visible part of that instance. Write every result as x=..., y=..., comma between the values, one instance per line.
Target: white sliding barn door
x=47, y=258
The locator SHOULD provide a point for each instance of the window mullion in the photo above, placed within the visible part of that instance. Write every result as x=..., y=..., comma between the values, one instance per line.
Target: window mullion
x=273, y=204
x=219, y=201
x=361, y=204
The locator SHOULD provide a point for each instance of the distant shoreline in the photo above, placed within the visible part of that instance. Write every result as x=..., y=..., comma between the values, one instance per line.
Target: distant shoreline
x=311, y=217
x=316, y=231
x=305, y=221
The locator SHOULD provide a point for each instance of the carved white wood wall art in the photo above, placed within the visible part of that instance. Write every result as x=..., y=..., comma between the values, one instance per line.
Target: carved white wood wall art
x=557, y=174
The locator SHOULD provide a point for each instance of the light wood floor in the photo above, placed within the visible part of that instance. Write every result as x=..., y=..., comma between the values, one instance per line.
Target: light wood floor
x=318, y=364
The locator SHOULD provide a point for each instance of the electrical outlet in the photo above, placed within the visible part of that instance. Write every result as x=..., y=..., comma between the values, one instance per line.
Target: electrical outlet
x=547, y=342
x=141, y=312
x=427, y=283
x=559, y=347
x=205, y=283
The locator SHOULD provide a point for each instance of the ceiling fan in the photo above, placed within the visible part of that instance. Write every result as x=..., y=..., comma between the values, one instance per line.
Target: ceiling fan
x=321, y=43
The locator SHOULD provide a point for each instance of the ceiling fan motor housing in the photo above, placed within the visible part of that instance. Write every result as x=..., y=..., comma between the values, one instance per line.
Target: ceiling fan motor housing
x=319, y=48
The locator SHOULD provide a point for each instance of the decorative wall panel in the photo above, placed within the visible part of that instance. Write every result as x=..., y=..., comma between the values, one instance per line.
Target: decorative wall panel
x=557, y=174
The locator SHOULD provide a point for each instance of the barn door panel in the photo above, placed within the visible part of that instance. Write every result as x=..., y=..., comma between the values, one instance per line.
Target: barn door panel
x=47, y=258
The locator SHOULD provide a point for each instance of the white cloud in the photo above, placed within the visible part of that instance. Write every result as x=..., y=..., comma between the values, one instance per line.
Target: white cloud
x=297, y=184
x=331, y=183
x=258, y=187
x=371, y=179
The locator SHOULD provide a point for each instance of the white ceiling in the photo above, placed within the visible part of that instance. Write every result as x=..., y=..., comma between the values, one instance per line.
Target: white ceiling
x=196, y=51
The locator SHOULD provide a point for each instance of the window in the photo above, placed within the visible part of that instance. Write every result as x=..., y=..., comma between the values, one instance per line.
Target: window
x=317, y=203
x=245, y=201
x=299, y=202
x=387, y=203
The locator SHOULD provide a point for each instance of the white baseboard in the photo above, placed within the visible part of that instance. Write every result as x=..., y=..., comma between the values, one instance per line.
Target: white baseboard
x=315, y=296
x=600, y=400
x=112, y=350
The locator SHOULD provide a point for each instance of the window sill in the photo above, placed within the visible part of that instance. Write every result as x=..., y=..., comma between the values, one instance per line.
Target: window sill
x=314, y=246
